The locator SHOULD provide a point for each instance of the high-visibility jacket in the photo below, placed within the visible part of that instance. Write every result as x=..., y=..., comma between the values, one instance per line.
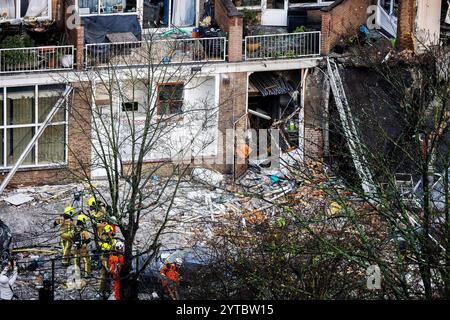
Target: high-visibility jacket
x=67, y=227
x=171, y=273
x=82, y=237
x=115, y=263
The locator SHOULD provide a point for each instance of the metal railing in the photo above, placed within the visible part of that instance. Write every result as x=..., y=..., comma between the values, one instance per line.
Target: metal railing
x=34, y=59
x=155, y=52
x=282, y=46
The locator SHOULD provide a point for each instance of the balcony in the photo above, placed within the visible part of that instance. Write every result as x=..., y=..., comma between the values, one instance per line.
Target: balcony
x=282, y=46
x=155, y=52
x=35, y=59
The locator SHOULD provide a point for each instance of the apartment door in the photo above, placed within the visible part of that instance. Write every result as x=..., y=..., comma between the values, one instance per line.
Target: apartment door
x=274, y=12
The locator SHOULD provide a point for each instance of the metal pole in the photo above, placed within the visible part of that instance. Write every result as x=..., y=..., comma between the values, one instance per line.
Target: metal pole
x=35, y=138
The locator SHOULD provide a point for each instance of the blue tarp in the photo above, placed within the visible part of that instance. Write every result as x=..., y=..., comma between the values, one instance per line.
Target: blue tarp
x=97, y=27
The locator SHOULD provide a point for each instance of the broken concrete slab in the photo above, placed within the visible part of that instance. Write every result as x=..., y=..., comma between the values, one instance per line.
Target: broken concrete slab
x=18, y=199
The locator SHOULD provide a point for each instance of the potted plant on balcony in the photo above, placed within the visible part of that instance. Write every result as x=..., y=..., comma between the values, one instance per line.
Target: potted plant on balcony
x=15, y=59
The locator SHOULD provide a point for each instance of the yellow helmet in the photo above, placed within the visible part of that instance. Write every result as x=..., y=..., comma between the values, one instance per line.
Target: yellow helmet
x=91, y=202
x=68, y=211
x=335, y=208
x=108, y=228
x=106, y=246
x=82, y=218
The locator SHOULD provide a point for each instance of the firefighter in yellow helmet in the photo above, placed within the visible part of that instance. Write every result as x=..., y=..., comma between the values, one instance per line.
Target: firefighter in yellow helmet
x=97, y=212
x=106, y=244
x=67, y=232
x=81, y=240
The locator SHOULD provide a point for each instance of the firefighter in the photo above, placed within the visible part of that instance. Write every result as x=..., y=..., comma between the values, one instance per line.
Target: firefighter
x=115, y=266
x=67, y=232
x=170, y=278
x=97, y=214
x=106, y=244
x=82, y=239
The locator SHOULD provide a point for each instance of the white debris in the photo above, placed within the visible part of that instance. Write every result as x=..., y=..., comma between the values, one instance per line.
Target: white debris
x=18, y=199
x=206, y=176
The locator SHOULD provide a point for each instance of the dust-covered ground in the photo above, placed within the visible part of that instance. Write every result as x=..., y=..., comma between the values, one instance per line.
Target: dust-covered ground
x=195, y=208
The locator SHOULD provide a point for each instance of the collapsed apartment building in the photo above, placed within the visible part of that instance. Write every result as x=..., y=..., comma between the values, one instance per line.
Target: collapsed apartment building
x=265, y=53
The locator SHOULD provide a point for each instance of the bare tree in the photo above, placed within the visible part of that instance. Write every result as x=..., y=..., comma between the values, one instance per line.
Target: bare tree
x=143, y=103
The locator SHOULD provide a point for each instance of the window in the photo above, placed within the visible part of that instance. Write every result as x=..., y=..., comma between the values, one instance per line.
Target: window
x=275, y=4
x=170, y=99
x=390, y=6
x=23, y=110
x=15, y=9
x=87, y=7
x=168, y=13
x=247, y=3
x=130, y=106
x=311, y=2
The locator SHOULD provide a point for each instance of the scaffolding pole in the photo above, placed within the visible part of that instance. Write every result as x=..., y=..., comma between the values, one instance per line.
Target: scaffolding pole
x=35, y=138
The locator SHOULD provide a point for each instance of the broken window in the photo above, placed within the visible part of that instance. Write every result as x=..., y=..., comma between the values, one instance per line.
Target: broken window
x=24, y=110
x=170, y=98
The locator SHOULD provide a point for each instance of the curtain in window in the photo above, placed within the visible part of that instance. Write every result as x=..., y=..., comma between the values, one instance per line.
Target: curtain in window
x=17, y=140
x=7, y=9
x=37, y=8
x=51, y=145
x=20, y=110
x=183, y=13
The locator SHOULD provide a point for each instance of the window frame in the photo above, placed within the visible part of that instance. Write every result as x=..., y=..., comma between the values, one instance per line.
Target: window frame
x=18, y=12
x=317, y=3
x=139, y=6
x=36, y=125
x=158, y=101
x=170, y=25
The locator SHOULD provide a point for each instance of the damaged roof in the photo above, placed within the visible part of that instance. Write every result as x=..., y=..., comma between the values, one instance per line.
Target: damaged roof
x=269, y=84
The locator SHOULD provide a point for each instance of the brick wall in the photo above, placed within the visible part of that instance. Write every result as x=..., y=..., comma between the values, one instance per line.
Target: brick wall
x=405, y=27
x=230, y=20
x=233, y=102
x=314, y=116
x=341, y=21
x=78, y=157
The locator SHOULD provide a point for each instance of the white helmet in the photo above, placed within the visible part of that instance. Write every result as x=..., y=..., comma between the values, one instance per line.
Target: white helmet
x=120, y=246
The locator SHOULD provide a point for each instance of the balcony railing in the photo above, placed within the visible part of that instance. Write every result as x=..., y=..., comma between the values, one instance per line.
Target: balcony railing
x=282, y=46
x=34, y=59
x=155, y=52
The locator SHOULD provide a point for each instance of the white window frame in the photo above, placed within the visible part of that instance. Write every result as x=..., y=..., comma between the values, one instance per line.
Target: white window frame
x=139, y=6
x=18, y=12
x=291, y=5
x=169, y=25
x=322, y=3
x=4, y=126
x=391, y=9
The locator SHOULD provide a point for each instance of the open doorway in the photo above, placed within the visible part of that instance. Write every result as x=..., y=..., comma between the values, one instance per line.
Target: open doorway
x=274, y=103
